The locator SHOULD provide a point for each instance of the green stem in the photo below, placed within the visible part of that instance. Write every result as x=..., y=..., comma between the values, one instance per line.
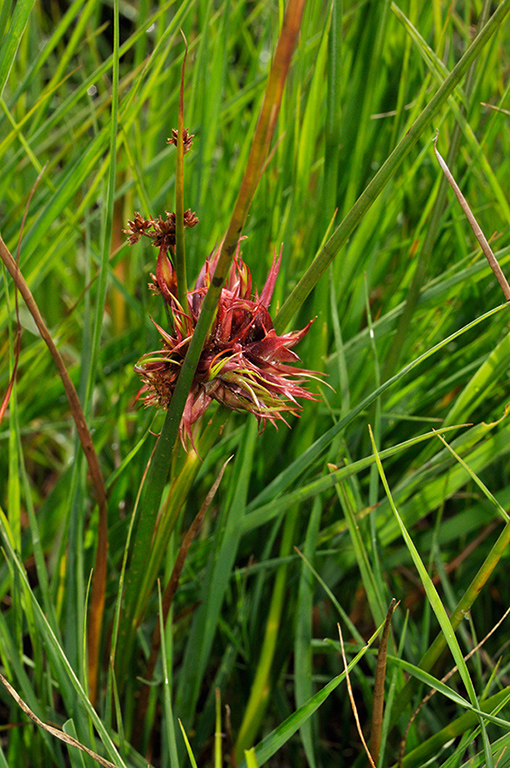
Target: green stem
x=258, y=153
x=152, y=541
x=393, y=162
x=180, y=252
x=262, y=684
x=98, y=590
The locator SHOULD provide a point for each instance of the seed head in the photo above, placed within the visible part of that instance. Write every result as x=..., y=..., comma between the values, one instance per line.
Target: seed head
x=160, y=231
x=187, y=139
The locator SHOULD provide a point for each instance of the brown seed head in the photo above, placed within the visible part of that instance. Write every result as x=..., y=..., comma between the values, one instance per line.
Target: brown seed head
x=137, y=227
x=187, y=139
x=161, y=231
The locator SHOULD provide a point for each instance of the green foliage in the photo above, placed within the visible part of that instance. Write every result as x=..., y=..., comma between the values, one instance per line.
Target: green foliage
x=409, y=330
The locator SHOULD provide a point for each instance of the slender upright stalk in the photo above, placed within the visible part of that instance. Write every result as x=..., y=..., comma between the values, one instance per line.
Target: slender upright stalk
x=98, y=591
x=180, y=253
x=258, y=154
x=160, y=464
x=487, y=250
x=261, y=686
x=380, y=676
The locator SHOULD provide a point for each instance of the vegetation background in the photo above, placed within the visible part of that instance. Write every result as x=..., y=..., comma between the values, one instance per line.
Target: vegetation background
x=408, y=295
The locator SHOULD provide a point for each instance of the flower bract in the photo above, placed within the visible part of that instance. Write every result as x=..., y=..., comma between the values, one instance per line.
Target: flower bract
x=245, y=365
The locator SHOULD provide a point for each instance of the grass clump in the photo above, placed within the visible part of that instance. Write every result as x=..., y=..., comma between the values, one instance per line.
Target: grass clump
x=139, y=578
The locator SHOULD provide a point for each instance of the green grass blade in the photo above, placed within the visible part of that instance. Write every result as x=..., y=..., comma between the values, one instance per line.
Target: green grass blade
x=12, y=37
x=188, y=747
x=504, y=514
x=217, y=577
x=97, y=602
x=302, y=644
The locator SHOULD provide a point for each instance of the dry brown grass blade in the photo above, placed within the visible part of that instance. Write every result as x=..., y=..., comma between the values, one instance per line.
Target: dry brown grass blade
x=99, y=577
x=351, y=698
x=8, y=391
x=380, y=676
x=495, y=108
x=69, y=740
x=487, y=250
x=17, y=348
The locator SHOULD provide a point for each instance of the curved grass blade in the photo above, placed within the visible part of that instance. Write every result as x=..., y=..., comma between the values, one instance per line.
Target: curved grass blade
x=56, y=732
x=481, y=384
x=446, y=678
x=504, y=514
x=462, y=608
x=85, y=439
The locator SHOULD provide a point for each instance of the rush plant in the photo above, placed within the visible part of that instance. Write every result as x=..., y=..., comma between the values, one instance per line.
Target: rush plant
x=243, y=364
x=174, y=538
